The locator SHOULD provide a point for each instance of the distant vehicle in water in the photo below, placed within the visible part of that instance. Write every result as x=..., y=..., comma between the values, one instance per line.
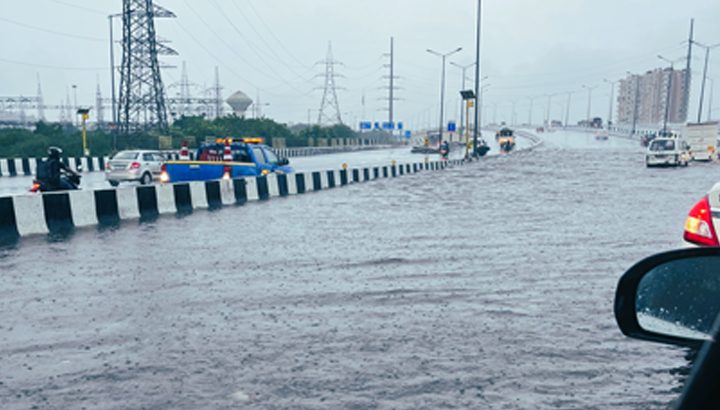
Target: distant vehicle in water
x=430, y=145
x=667, y=152
x=702, y=140
x=664, y=133
x=506, y=138
x=602, y=136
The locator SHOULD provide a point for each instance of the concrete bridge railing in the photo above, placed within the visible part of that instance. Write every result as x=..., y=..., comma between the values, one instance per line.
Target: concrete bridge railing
x=28, y=214
x=14, y=167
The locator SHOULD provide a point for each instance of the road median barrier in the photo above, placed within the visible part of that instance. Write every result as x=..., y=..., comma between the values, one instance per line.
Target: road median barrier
x=51, y=212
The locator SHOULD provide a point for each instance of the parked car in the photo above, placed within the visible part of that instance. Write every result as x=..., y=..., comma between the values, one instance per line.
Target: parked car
x=667, y=152
x=674, y=298
x=138, y=165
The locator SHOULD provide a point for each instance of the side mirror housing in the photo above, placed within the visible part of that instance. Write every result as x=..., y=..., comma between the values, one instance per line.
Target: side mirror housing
x=672, y=297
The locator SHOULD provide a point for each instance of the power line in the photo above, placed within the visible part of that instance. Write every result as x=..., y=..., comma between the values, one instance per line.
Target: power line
x=53, y=32
x=79, y=7
x=53, y=67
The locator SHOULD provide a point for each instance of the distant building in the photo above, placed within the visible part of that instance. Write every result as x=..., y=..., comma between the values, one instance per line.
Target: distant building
x=239, y=103
x=643, y=99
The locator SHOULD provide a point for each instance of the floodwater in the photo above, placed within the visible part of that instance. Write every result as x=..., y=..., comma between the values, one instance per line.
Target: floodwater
x=488, y=285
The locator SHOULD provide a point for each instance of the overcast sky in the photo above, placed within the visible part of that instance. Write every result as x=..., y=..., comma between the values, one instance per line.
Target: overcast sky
x=272, y=50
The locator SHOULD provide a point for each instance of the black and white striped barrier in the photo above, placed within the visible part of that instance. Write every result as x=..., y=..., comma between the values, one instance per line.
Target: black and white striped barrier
x=27, y=166
x=29, y=214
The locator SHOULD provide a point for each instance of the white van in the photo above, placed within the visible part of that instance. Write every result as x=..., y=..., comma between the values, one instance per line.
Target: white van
x=663, y=152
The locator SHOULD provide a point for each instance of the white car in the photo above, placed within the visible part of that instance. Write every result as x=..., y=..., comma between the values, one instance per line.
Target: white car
x=138, y=165
x=667, y=152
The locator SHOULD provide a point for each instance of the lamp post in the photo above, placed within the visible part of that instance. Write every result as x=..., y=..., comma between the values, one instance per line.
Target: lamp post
x=531, y=110
x=547, y=114
x=667, y=97
x=463, y=68
x=612, y=95
x=567, y=112
x=702, y=87
x=442, y=84
x=589, y=99
x=637, y=97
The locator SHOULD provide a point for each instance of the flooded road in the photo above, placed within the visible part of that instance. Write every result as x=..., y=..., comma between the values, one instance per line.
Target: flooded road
x=488, y=285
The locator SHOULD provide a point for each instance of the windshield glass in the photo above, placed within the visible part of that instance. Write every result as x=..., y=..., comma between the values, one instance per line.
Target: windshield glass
x=662, y=145
x=126, y=155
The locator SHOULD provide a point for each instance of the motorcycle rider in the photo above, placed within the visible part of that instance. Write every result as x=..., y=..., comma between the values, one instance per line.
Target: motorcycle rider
x=444, y=148
x=49, y=172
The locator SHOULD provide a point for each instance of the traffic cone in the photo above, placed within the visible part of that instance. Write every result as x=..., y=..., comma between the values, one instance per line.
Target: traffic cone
x=227, y=153
x=184, y=155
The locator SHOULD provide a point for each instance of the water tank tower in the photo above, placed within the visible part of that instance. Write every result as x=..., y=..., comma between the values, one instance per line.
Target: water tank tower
x=239, y=103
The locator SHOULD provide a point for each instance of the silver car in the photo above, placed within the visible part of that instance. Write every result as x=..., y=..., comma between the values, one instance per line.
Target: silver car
x=141, y=165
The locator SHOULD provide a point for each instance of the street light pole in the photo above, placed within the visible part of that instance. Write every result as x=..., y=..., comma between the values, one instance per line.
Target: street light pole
x=567, y=113
x=531, y=109
x=589, y=100
x=710, y=109
x=547, y=114
x=667, y=97
x=612, y=95
x=463, y=68
x=442, y=85
x=636, y=78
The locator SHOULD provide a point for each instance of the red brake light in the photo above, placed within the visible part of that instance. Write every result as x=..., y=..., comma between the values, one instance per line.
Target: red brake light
x=699, y=227
x=227, y=172
x=135, y=165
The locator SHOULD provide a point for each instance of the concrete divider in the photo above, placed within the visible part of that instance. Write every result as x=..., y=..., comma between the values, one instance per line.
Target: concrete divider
x=28, y=214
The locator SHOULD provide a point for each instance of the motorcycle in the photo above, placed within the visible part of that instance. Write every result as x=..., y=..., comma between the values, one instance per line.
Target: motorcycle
x=73, y=180
x=444, y=151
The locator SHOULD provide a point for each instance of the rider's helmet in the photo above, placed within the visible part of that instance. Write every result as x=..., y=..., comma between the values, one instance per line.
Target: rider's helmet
x=54, y=152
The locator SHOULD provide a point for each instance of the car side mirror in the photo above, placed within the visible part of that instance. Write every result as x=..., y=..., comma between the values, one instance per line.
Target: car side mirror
x=672, y=297
x=284, y=161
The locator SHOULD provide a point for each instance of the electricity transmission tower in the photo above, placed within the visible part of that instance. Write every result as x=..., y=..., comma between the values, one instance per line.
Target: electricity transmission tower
x=329, y=98
x=391, y=86
x=142, y=97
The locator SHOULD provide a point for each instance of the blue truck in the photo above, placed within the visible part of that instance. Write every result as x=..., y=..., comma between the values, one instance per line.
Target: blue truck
x=226, y=159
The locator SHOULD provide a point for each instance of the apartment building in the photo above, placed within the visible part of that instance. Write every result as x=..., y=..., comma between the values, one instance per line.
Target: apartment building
x=644, y=98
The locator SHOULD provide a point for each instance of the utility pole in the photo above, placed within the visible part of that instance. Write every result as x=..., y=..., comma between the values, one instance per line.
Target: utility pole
x=477, y=124
x=686, y=97
x=702, y=87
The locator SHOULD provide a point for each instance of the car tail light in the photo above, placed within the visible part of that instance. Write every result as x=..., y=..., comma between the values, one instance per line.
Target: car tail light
x=164, y=177
x=135, y=165
x=699, y=227
x=226, y=172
